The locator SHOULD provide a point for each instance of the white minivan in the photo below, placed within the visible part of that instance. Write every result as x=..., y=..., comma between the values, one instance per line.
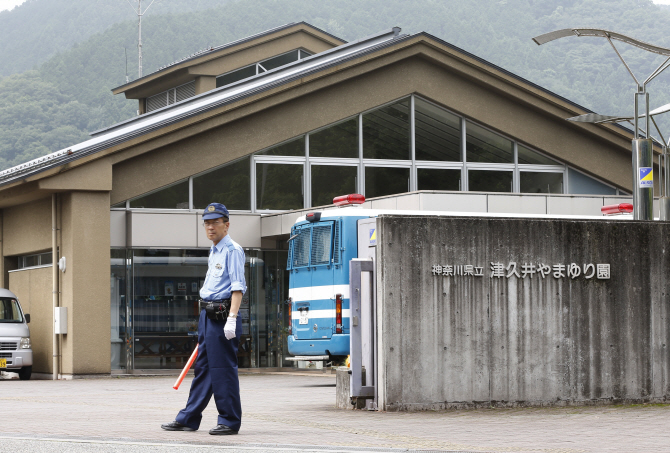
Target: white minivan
x=16, y=355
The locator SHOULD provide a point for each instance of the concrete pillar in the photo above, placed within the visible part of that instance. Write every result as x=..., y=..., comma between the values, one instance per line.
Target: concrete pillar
x=85, y=290
x=204, y=84
x=4, y=277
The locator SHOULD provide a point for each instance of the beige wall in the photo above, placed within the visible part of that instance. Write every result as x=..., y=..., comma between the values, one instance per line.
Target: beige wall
x=33, y=288
x=488, y=105
x=85, y=283
x=27, y=228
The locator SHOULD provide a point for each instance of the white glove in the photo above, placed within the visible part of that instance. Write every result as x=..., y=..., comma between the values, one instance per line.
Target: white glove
x=229, y=329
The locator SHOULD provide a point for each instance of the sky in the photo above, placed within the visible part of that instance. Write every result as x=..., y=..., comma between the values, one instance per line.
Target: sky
x=9, y=4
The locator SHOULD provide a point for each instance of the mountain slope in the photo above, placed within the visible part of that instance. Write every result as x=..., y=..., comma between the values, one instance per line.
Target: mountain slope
x=38, y=29
x=584, y=70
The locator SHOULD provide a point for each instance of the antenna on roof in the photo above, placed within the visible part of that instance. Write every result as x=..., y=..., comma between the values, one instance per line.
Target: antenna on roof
x=139, y=14
x=126, y=52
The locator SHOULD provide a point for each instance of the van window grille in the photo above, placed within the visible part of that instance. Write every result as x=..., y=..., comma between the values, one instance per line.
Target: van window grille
x=301, y=248
x=336, y=243
x=321, y=242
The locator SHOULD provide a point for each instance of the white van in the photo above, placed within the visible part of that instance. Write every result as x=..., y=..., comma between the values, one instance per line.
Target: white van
x=16, y=355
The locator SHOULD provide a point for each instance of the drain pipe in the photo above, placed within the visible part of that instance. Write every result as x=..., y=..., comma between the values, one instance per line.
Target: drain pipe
x=54, y=277
x=664, y=201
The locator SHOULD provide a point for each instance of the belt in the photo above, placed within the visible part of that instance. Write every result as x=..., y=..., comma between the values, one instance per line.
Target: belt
x=204, y=303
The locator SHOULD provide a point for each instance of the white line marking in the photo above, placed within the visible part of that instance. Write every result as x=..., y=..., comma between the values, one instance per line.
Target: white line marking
x=259, y=447
x=318, y=292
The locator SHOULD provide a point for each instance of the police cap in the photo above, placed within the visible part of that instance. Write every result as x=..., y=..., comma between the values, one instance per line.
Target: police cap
x=214, y=211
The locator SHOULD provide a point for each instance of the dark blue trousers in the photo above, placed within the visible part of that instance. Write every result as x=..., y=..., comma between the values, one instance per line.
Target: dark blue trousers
x=215, y=373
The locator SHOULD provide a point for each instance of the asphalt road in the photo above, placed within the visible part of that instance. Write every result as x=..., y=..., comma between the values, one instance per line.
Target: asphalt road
x=285, y=412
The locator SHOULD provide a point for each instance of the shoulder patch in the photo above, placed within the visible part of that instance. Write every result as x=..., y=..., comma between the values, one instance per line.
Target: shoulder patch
x=231, y=246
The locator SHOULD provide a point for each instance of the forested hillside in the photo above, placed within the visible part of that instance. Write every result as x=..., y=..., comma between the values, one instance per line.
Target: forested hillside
x=62, y=99
x=38, y=29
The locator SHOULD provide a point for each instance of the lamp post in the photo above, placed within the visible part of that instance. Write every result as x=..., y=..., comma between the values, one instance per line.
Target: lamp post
x=643, y=157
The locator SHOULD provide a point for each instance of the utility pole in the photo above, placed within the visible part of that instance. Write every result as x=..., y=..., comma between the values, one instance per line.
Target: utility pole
x=139, y=14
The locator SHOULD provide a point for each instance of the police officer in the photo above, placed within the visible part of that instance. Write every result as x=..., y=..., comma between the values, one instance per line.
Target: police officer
x=219, y=331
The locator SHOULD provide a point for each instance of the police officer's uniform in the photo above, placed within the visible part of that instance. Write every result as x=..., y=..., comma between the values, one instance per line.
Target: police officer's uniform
x=216, y=364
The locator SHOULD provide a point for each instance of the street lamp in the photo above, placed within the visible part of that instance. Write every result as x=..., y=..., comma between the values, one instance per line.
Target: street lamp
x=643, y=157
x=663, y=159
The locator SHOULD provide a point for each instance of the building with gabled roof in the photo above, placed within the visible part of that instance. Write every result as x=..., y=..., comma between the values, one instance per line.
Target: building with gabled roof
x=272, y=125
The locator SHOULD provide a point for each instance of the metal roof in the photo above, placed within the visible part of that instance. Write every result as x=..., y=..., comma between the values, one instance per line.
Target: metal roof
x=157, y=119
x=200, y=53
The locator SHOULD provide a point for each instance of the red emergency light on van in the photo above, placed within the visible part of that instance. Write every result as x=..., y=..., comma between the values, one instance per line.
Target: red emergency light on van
x=613, y=209
x=347, y=200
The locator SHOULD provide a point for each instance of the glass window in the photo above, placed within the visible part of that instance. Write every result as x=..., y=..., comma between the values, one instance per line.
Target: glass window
x=165, y=294
x=330, y=181
x=9, y=311
x=292, y=148
x=230, y=185
x=380, y=181
x=121, y=205
x=279, y=186
x=527, y=156
x=280, y=60
x=31, y=260
x=121, y=334
x=46, y=258
x=438, y=133
x=386, y=132
x=438, y=179
x=236, y=76
x=579, y=183
x=485, y=146
x=340, y=140
x=173, y=197
x=490, y=181
x=541, y=182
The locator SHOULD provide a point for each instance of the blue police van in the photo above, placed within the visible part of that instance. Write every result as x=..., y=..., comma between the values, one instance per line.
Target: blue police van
x=320, y=248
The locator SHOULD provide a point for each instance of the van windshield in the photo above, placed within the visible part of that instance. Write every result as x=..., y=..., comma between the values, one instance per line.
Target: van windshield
x=10, y=311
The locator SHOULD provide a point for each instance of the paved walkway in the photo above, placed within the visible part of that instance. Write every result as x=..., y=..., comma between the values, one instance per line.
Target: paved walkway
x=295, y=412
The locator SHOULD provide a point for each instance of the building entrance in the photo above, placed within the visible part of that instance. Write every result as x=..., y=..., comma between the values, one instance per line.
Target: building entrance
x=154, y=307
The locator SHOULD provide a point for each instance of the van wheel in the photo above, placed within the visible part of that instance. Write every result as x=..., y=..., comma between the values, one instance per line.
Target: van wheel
x=25, y=372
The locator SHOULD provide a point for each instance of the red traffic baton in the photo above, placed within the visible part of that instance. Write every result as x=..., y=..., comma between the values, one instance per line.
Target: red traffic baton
x=186, y=368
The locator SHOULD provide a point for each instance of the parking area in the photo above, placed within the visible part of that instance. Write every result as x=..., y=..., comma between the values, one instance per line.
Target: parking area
x=292, y=412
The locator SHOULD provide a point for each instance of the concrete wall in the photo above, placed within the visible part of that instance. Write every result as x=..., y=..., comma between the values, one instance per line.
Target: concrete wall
x=33, y=288
x=274, y=225
x=467, y=341
x=177, y=229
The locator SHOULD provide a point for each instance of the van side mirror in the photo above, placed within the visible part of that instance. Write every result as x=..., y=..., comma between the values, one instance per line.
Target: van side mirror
x=27, y=316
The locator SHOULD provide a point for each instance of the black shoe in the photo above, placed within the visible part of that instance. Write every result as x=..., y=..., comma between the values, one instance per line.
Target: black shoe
x=222, y=430
x=176, y=426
